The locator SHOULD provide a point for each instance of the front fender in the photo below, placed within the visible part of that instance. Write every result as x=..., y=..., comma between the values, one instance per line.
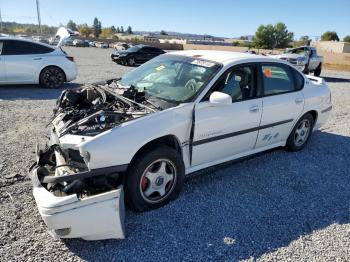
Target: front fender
x=119, y=145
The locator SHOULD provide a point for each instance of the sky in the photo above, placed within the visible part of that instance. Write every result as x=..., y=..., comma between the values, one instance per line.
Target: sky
x=215, y=17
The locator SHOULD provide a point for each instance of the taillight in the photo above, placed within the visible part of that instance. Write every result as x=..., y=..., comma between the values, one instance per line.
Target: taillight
x=71, y=58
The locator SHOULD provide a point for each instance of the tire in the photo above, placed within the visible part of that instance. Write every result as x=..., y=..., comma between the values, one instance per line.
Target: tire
x=131, y=61
x=318, y=70
x=146, y=180
x=301, y=133
x=52, y=77
x=306, y=70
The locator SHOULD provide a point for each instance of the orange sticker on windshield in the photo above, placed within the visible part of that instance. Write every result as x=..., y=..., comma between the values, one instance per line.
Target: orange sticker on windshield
x=268, y=72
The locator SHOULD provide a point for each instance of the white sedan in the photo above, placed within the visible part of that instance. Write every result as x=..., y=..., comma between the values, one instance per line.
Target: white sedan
x=176, y=114
x=30, y=62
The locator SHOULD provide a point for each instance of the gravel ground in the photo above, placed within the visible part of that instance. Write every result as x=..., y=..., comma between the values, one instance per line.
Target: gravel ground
x=276, y=206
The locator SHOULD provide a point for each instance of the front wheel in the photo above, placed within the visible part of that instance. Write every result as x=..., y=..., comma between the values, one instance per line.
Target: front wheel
x=301, y=133
x=154, y=178
x=52, y=77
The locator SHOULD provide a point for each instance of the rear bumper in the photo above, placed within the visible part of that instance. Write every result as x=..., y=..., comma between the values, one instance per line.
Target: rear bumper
x=71, y=72
x=93, y=217
x=323, y=117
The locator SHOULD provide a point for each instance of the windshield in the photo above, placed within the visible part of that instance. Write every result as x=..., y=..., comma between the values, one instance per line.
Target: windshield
x=172, y=78
x=298, y=51
x=133, y=49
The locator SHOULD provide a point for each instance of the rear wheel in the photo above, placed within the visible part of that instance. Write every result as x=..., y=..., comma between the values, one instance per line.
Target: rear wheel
x=52, y=77
x=154, y=178
x=301, y=133
x=318, y=70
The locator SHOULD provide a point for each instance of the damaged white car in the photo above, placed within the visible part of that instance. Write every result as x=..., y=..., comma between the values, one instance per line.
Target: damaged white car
x=176, y=114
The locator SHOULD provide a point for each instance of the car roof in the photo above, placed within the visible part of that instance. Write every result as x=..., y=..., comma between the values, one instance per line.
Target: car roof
x=25, y=40
x=224, y=57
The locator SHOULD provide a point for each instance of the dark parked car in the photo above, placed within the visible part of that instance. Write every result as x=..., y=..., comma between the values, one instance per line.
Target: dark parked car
x=137, y=54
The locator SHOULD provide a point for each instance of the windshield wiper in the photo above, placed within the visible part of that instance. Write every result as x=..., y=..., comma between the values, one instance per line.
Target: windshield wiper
x=153, y=104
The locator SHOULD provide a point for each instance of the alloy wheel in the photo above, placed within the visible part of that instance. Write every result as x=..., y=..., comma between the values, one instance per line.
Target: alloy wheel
x=53, y=78
x=302, y=132
x=158, y=181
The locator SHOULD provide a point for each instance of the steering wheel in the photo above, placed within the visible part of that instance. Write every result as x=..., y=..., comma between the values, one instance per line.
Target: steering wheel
x=192, y=85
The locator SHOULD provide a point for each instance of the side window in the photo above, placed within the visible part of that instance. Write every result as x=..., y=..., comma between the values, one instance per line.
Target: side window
x=155, y=50
x=277, y=79
x=17, y=47
x=298, y=80
x=146, y=50
x=239, y=83
x=1, y=45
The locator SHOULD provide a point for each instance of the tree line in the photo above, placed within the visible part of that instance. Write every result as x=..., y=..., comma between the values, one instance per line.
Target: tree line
x=96, y=29
x=266, y=37
x=277, y=36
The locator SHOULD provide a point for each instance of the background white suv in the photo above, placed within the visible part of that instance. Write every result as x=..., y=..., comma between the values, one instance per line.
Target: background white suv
x=28, y=62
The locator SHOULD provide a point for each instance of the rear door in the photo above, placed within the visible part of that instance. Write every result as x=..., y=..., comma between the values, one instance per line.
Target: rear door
x=23, y=60
x=283, y=102
x=2, y=66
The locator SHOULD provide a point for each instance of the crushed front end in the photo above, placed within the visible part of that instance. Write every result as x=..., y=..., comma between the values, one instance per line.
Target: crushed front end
x=75, y=200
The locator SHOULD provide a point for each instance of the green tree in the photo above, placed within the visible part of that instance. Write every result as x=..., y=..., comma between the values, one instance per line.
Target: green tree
x=121, y=29
x=84, y=30
x=129, y=30
x=113, y=29
x=163, y=33
x=107, y=33
x=243, y=37
x=304, y=40
x=71, y=25
x=97, y=28
x=346, y=39
x=330, y=36
x=117, y=30
x=270, y=37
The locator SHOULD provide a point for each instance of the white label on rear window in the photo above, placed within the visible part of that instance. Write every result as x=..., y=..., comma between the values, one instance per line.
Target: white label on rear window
x=202, y=63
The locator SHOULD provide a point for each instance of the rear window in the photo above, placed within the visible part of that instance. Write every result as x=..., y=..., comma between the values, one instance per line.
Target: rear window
x=277, y=79
x=17, y=47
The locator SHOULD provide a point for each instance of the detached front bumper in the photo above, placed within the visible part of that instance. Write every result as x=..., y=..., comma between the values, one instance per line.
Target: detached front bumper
x=94, y=217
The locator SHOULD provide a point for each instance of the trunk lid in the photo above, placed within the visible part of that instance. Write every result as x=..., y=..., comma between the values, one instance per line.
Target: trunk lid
x=62, y=34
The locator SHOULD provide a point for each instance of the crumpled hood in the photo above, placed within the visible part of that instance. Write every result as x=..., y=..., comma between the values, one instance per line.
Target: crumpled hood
x=295, y=56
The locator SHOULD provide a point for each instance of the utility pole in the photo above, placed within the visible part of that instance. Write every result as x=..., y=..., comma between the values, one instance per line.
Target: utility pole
x=38, y=12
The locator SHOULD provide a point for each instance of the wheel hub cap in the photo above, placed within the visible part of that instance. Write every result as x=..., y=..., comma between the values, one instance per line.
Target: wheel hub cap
x=302, y=132
x=158, y=180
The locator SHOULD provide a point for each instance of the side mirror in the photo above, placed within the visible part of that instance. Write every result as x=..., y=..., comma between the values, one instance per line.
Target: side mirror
x=220, y=99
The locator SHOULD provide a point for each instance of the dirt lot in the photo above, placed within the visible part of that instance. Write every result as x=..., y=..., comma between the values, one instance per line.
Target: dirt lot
x=277, y=206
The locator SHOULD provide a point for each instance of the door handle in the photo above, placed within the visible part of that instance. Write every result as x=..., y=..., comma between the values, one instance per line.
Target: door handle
x=254, y=109
x=38, y=58
x=298, y=100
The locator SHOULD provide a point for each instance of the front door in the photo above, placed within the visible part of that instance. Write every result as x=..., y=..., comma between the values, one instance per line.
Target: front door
x=220, y=132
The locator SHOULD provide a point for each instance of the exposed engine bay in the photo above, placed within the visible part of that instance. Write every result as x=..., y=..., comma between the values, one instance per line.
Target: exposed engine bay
x=86, y=111
x=93, y=109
